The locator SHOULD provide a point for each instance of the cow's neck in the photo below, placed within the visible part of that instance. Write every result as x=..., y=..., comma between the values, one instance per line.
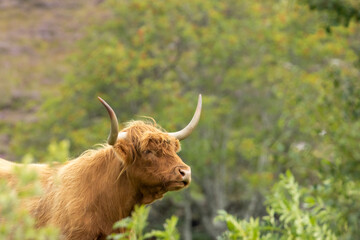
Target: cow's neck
x=115, y=189
x=129, y=196
x=132, y=195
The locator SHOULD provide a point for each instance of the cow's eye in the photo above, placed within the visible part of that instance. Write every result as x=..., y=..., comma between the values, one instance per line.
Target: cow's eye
x=147, y=152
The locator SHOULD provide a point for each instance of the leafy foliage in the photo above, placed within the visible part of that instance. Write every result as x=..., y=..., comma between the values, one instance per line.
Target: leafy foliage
x=249, y=230
x=293, y=213
x=170, y=232
x=134, y=227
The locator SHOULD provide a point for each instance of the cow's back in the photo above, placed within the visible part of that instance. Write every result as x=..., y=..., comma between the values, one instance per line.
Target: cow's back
x=44, y=173
x=6, y=170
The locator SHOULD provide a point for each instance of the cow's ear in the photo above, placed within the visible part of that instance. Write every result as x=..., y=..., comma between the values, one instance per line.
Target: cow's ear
x=124, y=150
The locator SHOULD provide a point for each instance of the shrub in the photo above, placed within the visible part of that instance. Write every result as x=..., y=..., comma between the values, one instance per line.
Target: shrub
x=134, y=227
x=292, y=213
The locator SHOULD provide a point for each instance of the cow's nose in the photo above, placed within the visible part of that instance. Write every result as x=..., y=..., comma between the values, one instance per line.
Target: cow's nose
x=186, y=175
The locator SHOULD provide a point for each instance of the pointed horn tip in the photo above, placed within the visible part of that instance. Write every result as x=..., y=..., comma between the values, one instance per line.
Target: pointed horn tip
x=114, y=129
x=107, y=106
x=100, y=99
x=199, y=104
x=185, y=132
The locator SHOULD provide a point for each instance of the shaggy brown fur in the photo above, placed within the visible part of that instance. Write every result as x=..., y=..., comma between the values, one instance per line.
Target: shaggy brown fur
x=87, y=195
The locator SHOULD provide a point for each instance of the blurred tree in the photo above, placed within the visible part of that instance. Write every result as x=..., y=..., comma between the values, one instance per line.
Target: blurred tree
x=339, y=11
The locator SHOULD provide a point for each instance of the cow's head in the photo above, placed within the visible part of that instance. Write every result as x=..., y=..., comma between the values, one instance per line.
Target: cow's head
x=150, y=155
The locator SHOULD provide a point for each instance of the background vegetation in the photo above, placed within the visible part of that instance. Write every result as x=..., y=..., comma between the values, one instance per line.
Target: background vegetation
x=281, y=92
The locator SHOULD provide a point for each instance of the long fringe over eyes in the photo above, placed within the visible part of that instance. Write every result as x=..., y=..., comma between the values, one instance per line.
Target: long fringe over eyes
x=149, y=136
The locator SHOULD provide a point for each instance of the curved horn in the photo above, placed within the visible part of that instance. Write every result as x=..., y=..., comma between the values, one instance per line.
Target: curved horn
x=114, y=129
x=184, y=133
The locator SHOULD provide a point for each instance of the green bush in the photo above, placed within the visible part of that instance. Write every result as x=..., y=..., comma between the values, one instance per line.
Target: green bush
x=134, y=227
x=292, y=213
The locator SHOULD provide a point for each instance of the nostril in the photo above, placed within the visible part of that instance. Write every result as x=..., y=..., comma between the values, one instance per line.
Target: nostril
x=185, y=175
x=182, y=172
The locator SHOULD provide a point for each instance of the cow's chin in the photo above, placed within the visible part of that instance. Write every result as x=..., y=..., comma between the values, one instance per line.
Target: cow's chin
x=176, y=185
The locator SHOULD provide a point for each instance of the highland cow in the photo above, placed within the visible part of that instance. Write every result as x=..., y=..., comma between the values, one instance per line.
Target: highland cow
x=87, y=195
